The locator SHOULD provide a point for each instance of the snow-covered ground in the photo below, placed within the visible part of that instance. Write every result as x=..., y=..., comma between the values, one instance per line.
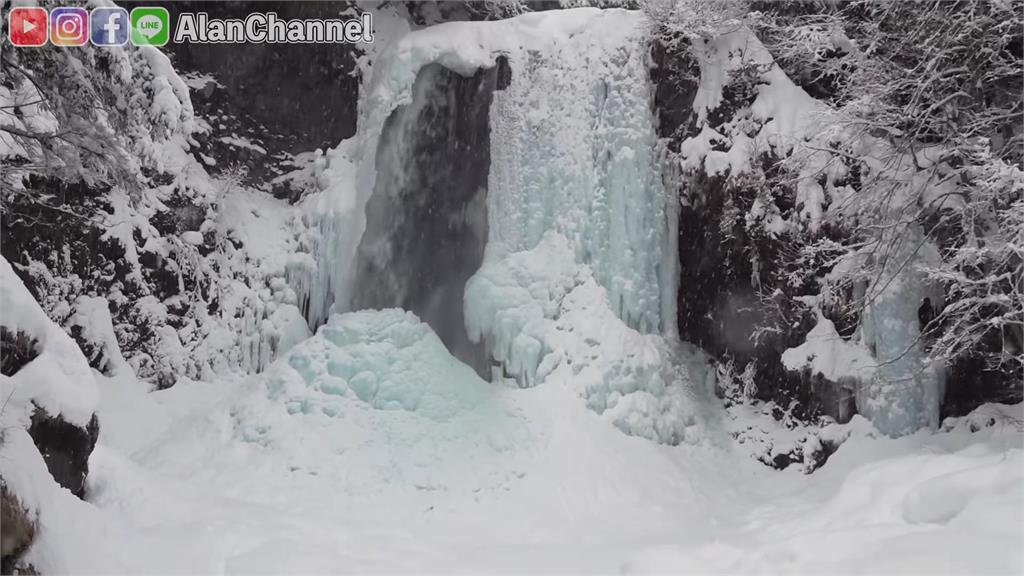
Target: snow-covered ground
x=315, y=467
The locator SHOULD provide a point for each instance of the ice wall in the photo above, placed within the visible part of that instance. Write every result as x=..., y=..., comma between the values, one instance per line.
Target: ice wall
x=906, y=389
x=574, y=152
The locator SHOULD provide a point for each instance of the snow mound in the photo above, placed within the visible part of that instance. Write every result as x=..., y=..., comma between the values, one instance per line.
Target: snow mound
x=387, y=359
x=825, y=352
x=372, y=402
x=986, y=416
x=545, y=318
x=59, y=379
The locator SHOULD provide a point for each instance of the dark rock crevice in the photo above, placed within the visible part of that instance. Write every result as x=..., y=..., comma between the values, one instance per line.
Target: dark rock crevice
x=65, y=448
x=427, y=218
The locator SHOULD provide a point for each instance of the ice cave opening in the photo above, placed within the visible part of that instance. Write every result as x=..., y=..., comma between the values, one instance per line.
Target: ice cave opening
x=426, y=220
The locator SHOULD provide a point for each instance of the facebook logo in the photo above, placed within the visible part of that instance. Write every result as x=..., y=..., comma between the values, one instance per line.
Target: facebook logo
x=109, y=26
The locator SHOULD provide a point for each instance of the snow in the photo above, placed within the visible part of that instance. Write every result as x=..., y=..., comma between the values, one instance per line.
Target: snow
x=229, y=478
x=59, y=379
x=828, y=354
x=192, y=237
x=242, y=142
x=369, y=448
x=92, y=315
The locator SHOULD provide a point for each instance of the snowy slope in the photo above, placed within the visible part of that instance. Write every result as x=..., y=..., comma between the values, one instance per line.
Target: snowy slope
x=513, y=480
x=370, y=448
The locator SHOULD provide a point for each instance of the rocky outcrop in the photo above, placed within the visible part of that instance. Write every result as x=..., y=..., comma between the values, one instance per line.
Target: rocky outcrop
x=724, y=268
x=268, y=102
x=65, y=448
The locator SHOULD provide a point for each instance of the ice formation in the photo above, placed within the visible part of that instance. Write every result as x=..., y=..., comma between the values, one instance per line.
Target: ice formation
x=387, y=359
x=544, y=316
x=905, y=392
x=580, y=264
x=574, y=152
x=597, y=181
x=378, y=388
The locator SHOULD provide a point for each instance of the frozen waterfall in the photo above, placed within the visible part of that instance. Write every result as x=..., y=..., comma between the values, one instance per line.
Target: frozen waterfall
x=572, y=151
x=577, y=279
x=573, y=141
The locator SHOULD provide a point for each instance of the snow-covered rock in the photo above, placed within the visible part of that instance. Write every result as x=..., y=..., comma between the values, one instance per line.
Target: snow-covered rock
x=58, y=378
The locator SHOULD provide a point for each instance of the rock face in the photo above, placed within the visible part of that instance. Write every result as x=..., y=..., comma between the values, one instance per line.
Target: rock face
x=17, y=531
x=717, y=304
x=65, y=448
x=267, y=102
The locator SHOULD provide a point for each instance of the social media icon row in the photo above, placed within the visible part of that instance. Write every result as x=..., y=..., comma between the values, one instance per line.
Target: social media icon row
x=70, y=26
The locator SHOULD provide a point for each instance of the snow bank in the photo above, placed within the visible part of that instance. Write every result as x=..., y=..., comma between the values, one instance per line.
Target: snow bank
x=59, y=379
x=925, y=503
x=546, y=319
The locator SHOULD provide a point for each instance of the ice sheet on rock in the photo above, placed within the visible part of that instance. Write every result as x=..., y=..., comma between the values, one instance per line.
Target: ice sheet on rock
x=545, y=318
x=59, y=379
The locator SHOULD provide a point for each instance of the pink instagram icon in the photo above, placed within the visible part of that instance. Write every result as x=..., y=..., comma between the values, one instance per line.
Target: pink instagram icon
x=69, y=26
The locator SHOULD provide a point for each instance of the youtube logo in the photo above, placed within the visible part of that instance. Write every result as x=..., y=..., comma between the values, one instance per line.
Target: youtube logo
x=26, y=26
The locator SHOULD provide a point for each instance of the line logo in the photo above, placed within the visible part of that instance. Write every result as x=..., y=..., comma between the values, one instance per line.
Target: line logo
x=108, y=26
x=68, y=26
x=150, y=26
x=27, y=26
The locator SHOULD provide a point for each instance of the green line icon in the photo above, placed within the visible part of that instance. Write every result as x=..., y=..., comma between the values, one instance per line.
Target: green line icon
x=151, y=26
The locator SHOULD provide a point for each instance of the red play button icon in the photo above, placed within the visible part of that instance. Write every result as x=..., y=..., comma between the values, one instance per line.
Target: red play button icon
x=26, y=26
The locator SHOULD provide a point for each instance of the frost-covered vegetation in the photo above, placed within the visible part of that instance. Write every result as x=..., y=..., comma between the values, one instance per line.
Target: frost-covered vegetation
x=864, y=163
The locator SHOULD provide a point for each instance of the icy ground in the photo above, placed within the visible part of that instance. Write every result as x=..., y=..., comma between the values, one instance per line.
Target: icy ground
x=369, y=449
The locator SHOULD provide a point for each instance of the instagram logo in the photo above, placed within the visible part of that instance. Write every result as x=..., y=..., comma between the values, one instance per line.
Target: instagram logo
x=69, y=26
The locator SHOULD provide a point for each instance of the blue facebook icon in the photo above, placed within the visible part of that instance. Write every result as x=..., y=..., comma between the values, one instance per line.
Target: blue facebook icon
x=109, y=26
